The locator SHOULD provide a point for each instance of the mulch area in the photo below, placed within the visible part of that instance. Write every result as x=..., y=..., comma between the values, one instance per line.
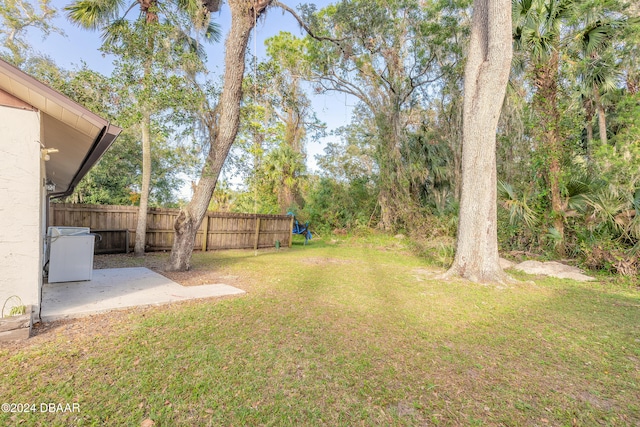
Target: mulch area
x=197, y=275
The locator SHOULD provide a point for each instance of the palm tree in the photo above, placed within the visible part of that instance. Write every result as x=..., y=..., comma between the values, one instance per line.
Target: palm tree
x=283, y=166
x=631, y=49
x=544, y=32
x=538, y=38
x=598, y=77
x=113, y=18
x=598, y=69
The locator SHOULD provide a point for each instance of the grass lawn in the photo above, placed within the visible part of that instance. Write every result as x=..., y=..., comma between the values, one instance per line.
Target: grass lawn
x=344, y=333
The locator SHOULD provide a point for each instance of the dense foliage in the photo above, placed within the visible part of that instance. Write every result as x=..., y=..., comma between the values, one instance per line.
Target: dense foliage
x=568, y=138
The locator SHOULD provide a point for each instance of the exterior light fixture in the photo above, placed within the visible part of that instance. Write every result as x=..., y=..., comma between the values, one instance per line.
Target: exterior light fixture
x=50, y=185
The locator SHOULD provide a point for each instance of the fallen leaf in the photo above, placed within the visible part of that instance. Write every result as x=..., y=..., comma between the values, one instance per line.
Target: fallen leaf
x=148, y=423
x=209, y=411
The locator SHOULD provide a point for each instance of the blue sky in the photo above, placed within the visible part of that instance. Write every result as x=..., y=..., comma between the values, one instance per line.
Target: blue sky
x=79, y=45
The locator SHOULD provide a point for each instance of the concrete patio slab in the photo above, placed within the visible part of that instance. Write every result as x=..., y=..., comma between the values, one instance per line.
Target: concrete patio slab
x=119, y=288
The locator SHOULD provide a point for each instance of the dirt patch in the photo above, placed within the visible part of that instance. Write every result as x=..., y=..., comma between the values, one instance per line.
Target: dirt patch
x=201, y=277
x=325, y=261
x=505, y=263
x=197, y=275
x=595, y=401
x=424, y=273
x=553, y=269
x=549, y=268
x=154, y=261
x=66, y=331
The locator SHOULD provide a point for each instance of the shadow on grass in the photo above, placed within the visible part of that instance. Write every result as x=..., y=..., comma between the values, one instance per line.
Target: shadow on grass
x=355, y=337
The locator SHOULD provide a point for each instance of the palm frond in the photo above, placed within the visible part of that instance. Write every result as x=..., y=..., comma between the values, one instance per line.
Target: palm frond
x=113, y=32
x=191, y=7
x=634, y=227
x=581, y=186
x=606, y=205
x=554, y=236
x=93, y=14
x=594, y=37
x=213, y=32
x=517, y=205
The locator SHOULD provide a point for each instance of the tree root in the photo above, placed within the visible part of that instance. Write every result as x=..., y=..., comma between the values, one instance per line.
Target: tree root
x=496, y=277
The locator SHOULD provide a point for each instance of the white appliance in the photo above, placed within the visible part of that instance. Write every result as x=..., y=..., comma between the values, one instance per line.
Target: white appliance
x=69, y=254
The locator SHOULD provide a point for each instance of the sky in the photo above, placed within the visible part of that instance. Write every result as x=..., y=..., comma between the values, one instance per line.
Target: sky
x=78, y=45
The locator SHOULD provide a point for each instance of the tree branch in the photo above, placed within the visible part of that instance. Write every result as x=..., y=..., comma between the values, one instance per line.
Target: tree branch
x=304, y=24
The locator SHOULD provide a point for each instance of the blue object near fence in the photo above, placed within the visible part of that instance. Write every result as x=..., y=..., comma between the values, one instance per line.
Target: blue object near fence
x=300, y=228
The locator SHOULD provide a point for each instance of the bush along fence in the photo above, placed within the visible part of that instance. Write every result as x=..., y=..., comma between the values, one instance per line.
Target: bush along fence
x=116, y=227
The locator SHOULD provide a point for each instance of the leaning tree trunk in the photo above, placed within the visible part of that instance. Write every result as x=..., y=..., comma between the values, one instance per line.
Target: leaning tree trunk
x=141, y=226
x=485, y=84
x=223, y=129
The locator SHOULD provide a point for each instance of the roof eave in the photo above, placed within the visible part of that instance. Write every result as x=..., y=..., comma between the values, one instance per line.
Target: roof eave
x=104, y=140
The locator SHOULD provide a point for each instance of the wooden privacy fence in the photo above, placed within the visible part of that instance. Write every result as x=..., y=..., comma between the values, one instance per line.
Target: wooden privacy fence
x=219, y=230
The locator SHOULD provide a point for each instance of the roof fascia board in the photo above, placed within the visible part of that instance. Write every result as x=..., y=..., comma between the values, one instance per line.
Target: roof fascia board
x=34, y=84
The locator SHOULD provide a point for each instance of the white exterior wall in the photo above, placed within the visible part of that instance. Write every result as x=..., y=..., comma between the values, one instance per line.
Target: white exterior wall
x=21, y=206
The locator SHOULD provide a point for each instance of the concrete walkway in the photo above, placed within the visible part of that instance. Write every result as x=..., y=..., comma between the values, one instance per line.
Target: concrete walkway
x=119, y=288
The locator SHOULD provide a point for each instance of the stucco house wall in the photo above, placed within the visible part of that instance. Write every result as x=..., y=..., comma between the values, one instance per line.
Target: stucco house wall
x=36, y=120
x=21, y=203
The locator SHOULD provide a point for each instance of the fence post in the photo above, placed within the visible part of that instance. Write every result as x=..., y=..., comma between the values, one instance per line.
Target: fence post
x=255, y=245
x=291, y=232
x=205, y=236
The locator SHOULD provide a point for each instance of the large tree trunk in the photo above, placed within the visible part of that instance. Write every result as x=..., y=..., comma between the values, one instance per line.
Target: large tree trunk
x=485, y=83
x=141, y=226
x=223, y=129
